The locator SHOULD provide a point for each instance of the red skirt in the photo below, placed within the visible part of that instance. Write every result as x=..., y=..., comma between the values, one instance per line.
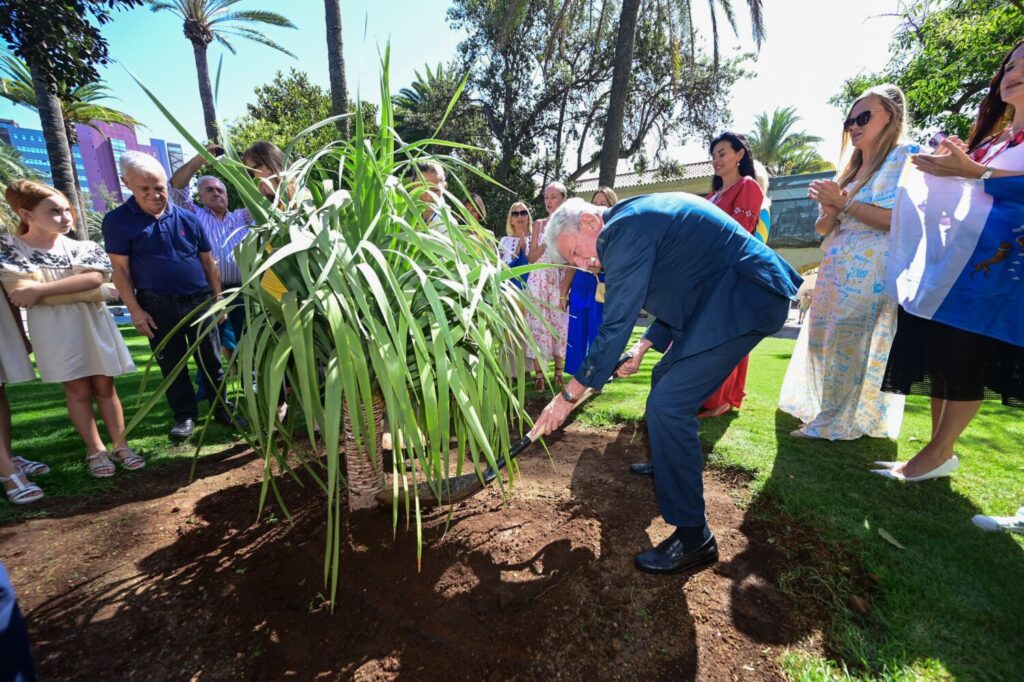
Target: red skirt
x=732, y=389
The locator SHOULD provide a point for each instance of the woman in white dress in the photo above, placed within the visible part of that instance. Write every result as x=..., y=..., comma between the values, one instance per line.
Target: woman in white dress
x=76, y=344
x=15, y=367
x=833, y=383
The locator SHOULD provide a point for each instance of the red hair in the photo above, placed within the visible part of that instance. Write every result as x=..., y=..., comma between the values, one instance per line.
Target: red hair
x=27, y=194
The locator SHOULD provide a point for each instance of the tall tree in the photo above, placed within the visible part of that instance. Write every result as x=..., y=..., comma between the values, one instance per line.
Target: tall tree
x=61, y=43
x=336, y=63
x=943, y=55
x=682, y=16
x=78, y=105
x=782, y=150
x=205, y=21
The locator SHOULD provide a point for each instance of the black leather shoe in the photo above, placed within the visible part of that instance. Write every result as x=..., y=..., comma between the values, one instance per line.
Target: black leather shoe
x=642, y=469
x=224, y=417
x=183, y=429
x=671, y=556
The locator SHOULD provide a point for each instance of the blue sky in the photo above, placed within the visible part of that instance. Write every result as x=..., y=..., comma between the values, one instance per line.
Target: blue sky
x=811, y=48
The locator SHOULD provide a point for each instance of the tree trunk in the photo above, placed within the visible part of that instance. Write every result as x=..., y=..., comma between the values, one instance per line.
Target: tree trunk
x=62, y=163
x=621, y=72
x=205, y=90
x=72, y=135
x=336, y=63
x=365, y=476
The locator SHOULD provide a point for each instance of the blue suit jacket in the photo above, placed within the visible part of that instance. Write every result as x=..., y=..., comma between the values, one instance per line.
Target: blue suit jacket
x=693, y=268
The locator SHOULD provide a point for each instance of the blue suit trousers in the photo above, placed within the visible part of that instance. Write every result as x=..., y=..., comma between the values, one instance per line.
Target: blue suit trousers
x=678, y=389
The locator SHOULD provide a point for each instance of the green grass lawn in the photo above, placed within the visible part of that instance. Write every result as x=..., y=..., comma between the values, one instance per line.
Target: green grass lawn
x=949, y=604
x=42, y=431
x=952, y=602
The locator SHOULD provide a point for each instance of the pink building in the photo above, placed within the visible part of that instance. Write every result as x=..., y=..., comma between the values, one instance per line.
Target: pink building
x=101, y=155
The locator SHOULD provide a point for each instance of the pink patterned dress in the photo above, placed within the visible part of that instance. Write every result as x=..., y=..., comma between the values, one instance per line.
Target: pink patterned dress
x=545, y=287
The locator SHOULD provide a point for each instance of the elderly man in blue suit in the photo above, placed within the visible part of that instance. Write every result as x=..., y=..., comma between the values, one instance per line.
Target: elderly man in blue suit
x=715, y=293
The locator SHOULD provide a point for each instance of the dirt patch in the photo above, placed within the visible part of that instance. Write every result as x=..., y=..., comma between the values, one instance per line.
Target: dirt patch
x=181, y=582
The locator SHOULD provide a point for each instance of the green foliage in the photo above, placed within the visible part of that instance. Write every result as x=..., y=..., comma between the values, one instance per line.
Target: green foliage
x=32, y=29
x=943, y=57
x=782, y=150
x=215, y=20
x=422, y=112
x=288, y=105
x=380, y=306
x=79, y=104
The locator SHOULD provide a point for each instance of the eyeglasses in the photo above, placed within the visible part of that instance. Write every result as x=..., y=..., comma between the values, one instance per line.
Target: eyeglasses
x=860, y=119
x=520, y=214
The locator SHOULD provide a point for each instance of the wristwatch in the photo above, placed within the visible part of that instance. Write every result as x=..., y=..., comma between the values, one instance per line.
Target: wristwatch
x=989, y=170
x=568, y=397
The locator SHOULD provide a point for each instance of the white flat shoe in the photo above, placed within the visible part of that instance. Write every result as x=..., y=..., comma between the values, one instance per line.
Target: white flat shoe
x=944, y=469
x=1011, y=524
x=886, y=465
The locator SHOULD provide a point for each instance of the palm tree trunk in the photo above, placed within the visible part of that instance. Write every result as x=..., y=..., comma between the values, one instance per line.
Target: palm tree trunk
x=621, y=72
x=336, y=63
x=72, y=135
x=365, y=475
x=205, y=90
x=62, y=163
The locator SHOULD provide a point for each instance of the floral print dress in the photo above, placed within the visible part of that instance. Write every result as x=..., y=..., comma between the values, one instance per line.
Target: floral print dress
x=545, y=287
x=833, y=383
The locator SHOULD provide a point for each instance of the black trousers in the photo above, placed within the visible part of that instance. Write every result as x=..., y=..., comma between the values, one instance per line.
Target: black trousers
x=167, y=312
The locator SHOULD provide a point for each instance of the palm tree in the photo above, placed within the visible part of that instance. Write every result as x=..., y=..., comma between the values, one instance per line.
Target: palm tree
x=208, y=20
x=336, y=63
x=681, y=15
x=782, y=150
x=77, y=105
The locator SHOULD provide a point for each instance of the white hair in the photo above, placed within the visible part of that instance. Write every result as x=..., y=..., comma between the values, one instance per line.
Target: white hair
x=560, y=187
x=141, y=162
x=211, y=177
x=433, y=167
x=566, y=220
x=762, y=176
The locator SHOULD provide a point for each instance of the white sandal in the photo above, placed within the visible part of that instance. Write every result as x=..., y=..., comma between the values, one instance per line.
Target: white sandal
x=130, y=460
x=99, y=464
x=24, y=492
x=29, y=467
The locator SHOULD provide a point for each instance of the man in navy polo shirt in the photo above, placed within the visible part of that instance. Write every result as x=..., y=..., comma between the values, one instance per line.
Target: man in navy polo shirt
x=164, y=269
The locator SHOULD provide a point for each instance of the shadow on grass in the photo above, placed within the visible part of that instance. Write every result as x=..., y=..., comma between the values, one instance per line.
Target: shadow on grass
x=939, y=603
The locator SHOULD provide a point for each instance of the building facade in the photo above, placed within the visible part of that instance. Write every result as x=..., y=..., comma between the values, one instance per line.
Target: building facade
x=97, y=157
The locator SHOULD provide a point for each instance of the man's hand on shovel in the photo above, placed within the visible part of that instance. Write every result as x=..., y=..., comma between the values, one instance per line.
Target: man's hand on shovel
x=556, y=412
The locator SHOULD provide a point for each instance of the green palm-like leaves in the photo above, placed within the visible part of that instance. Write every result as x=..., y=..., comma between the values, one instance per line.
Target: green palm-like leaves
x=217, y=19
x=379, y=304
x=78, y=105
x=781, y=149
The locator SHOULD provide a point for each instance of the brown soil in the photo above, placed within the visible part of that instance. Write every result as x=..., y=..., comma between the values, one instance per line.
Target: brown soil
x=172, y=580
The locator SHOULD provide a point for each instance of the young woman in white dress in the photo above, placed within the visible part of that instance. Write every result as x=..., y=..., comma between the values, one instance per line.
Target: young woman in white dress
x=76, y=343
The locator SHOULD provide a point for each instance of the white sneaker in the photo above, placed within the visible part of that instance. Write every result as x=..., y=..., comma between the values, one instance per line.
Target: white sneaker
x=1012, y=524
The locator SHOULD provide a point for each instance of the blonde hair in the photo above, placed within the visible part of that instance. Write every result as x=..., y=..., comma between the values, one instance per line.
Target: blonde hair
x=27, y=194
x=481, y=208
x=509, y=230
x=608, y=193
x=894, y=133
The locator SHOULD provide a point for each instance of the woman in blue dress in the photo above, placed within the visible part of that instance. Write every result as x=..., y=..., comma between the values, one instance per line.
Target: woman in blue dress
x=580, y=299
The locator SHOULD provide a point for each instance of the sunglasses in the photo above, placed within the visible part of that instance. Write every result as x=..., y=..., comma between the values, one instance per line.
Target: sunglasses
x=860, y=119
x=520, y=214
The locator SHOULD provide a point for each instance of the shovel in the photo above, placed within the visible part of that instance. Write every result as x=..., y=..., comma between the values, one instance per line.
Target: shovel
x=458, y=488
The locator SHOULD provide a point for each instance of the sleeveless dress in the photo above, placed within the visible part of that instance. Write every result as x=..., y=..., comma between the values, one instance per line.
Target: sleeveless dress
x=545, y=287
x=73, y=340
x=833, y=382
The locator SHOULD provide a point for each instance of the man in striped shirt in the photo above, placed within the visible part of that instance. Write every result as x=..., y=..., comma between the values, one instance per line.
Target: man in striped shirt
x=224, y=230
